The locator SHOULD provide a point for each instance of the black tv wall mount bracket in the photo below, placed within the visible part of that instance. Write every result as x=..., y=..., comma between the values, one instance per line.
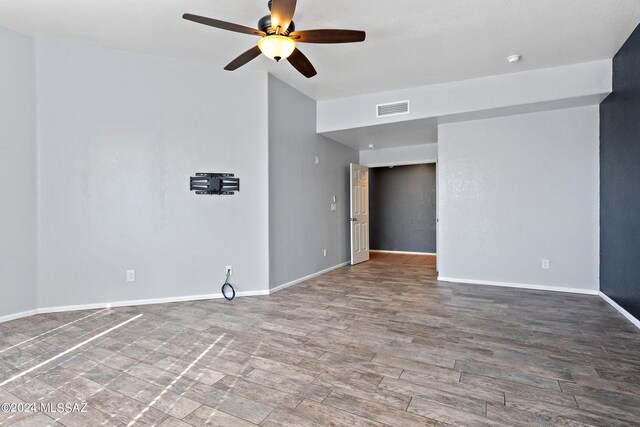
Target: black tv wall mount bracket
x=215, y=183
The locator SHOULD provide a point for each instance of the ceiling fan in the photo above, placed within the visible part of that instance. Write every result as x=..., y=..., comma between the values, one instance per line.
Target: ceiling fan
x=279, y=38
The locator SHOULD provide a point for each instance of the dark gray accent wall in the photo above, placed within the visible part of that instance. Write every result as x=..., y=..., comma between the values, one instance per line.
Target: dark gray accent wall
x=402, y=203
x=620, y=181
x=301, y=223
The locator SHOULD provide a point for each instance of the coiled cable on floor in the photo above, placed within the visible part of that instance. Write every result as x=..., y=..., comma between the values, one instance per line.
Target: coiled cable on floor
x=225, y=285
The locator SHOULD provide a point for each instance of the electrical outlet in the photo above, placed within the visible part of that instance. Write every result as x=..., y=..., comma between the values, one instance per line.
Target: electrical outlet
x=325, y=252
x=545, y=264
x=131, y=275
x=229, y=270
x=317, y=160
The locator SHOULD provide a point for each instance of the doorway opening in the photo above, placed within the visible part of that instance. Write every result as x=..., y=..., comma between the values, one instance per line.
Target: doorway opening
x=403, y=214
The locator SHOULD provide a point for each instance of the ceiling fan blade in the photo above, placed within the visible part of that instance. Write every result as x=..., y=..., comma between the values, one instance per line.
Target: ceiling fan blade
x=282, y=13
x=246, y=57
x=229, y=26
x=302, y=64
x=328, y=36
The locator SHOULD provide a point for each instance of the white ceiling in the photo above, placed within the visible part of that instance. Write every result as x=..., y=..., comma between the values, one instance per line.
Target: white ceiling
x=409, y=42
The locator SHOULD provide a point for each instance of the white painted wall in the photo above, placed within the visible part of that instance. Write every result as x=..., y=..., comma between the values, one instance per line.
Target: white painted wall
x=119, y=136
x=397, y=156
x=18, y=196
x=582, y=84
x=519, y=189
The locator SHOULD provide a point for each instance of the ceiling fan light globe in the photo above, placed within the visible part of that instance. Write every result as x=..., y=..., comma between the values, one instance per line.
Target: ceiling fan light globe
x=276, y=46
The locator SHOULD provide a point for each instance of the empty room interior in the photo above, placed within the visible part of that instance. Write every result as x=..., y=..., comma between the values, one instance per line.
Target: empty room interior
x=313, y=213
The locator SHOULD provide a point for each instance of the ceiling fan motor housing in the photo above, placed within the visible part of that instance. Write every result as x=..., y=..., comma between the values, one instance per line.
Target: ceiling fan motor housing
x=264, y=24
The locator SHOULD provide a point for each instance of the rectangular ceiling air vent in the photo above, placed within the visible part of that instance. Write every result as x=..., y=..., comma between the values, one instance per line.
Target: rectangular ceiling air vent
x=392, y=109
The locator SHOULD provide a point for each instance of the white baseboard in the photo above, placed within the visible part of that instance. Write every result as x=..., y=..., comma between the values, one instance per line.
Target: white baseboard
x=402, y=252
x=622, y=311
x=129, y=303
x=15, y=316
x=145, y=302
x=519, y=285
x=310, y=276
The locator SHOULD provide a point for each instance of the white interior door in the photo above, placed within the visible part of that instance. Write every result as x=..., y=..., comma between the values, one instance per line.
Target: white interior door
x=359, y=213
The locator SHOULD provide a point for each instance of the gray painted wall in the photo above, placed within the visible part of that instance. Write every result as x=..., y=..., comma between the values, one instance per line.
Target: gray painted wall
x=301, y=223
x=119, y=136
x=18, y=176
x=403, y=208
x=515, y=190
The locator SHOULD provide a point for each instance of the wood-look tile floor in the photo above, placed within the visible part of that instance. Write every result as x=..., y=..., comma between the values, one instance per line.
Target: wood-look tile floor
x=370, y=345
